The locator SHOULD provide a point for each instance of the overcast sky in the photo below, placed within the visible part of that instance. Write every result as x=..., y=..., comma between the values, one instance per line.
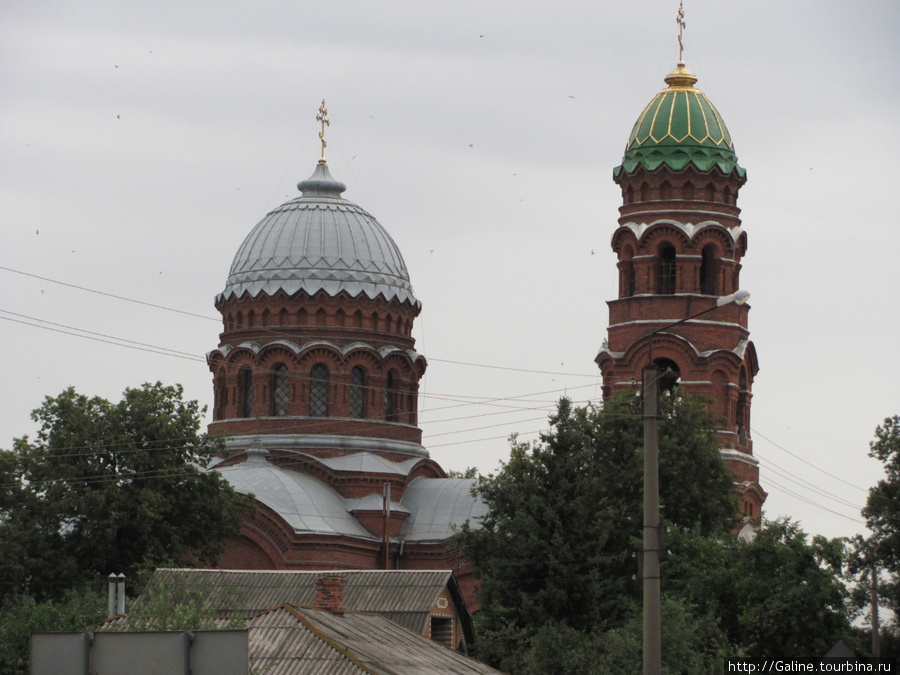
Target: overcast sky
x=141, y=141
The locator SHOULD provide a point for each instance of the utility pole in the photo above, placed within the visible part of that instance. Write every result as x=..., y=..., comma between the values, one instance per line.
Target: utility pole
x=652, y=639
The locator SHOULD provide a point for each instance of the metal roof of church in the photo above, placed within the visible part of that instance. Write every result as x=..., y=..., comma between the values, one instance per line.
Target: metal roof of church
x=319, y=241
x=437, y=506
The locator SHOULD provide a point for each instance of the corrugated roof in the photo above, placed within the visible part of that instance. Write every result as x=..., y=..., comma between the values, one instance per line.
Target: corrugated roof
x=405, y=596
x=294, y=640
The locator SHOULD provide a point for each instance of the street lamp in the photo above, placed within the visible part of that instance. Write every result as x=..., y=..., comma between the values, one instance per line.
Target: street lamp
x=652, y=538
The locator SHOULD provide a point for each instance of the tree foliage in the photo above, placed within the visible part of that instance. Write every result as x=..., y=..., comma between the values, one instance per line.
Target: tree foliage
x=78, y=609
x=565, y=517
x=109, y=487
x=780, y=594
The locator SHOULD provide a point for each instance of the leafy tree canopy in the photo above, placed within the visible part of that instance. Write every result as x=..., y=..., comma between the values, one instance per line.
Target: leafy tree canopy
x=110, y=487
x=566, y=515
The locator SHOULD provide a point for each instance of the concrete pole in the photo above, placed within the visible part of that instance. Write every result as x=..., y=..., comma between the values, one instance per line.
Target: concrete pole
x=652, y=632
x=876, y=628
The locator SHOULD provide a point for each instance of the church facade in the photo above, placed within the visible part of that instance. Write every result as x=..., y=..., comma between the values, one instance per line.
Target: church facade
x=680, y=245
x=316, y=382
x=316, y=375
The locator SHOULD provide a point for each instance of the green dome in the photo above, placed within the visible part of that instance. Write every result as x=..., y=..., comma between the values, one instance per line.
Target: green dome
x=680, y=126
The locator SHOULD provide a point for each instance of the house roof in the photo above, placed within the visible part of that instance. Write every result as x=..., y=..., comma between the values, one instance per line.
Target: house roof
x=403, y=596
x=293, y=640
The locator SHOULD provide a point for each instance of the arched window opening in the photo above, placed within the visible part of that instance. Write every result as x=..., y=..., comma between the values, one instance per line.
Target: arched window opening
x=245, y=377
x=251, y=319
x=375, y=318
x=709, y=271
x=283, y=317
x=321, y=318
x=687, y=192
x=665, y=190
x=411, y=408
x=357, y=392
x=626, y=273
x=629, y=195
x=742, y=409
x=339, y=317
x=302, y=317
x=240, y=319
x=281, y=390
x=265, y=318
x=710, y=192
x=357, y=319
x=318, y=390
x=667, y=270
x=726, y=195
x=390, y=397
x=645, y=192
x=669, y=374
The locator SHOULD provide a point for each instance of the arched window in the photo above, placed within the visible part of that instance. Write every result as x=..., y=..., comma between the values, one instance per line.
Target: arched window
x=743, y=410
x=687, y=192
x=245, y=378
x=667, y=270
x=357, y=392
x=318, y=390
x=390, y=397
x=665, y=190
x=645, y=192
x=709, y=270
x=626, y=273
x=281, y=390
x=670, y=374
x=710, y=192
x=357, y=319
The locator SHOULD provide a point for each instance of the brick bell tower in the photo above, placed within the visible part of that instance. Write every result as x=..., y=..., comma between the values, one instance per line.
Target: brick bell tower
x=679, y=246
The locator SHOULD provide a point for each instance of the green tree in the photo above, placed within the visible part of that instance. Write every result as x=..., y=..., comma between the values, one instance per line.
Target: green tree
x=110, y=487
x=566, y=514
x=78, y=609
x=780, y=594
x=882, y=548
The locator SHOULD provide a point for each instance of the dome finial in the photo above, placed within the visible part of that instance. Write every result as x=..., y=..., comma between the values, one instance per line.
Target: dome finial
x=323, y=118
x=681, y=26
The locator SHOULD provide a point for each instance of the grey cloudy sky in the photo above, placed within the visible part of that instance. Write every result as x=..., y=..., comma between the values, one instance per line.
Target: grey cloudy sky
x=140, y=142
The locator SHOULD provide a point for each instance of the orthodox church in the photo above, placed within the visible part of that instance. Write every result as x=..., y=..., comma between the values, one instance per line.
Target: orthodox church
x=316, y=381
x=679, y=246
x=316, y=375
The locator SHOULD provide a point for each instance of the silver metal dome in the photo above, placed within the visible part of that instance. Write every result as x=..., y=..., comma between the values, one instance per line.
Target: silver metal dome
x=319, y=241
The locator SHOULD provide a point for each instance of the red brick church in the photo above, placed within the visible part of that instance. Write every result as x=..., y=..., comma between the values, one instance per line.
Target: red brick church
x=680, y=245
x=316, y=382
x=316, y=375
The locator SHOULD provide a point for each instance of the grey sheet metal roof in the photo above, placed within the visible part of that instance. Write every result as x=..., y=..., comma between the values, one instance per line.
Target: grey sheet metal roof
x=319, y=241
x=404, y=596
x=306, y=504
x=438, y=505
x=293, y=640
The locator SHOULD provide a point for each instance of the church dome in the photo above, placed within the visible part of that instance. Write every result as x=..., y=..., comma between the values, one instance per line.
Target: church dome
x=680, y=126
x=319, y=241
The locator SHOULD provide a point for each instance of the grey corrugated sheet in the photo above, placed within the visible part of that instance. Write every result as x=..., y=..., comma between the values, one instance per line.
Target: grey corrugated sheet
x=405, y=596
x=283, y=644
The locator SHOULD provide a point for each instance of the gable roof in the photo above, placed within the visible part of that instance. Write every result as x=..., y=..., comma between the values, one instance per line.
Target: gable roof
x=292, y=640
x=403, y=596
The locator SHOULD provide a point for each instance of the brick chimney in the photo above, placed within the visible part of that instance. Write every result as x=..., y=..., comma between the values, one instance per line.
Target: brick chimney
x=330, y=593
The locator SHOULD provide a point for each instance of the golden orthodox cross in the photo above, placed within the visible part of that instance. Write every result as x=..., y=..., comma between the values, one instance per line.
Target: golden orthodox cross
x=681, y=27
x=323, y=118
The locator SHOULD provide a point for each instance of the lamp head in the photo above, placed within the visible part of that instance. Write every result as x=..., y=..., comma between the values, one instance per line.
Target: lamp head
x=738, y=298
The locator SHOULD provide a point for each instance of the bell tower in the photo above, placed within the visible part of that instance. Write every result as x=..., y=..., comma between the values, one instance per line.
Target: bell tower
x=680, y=245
